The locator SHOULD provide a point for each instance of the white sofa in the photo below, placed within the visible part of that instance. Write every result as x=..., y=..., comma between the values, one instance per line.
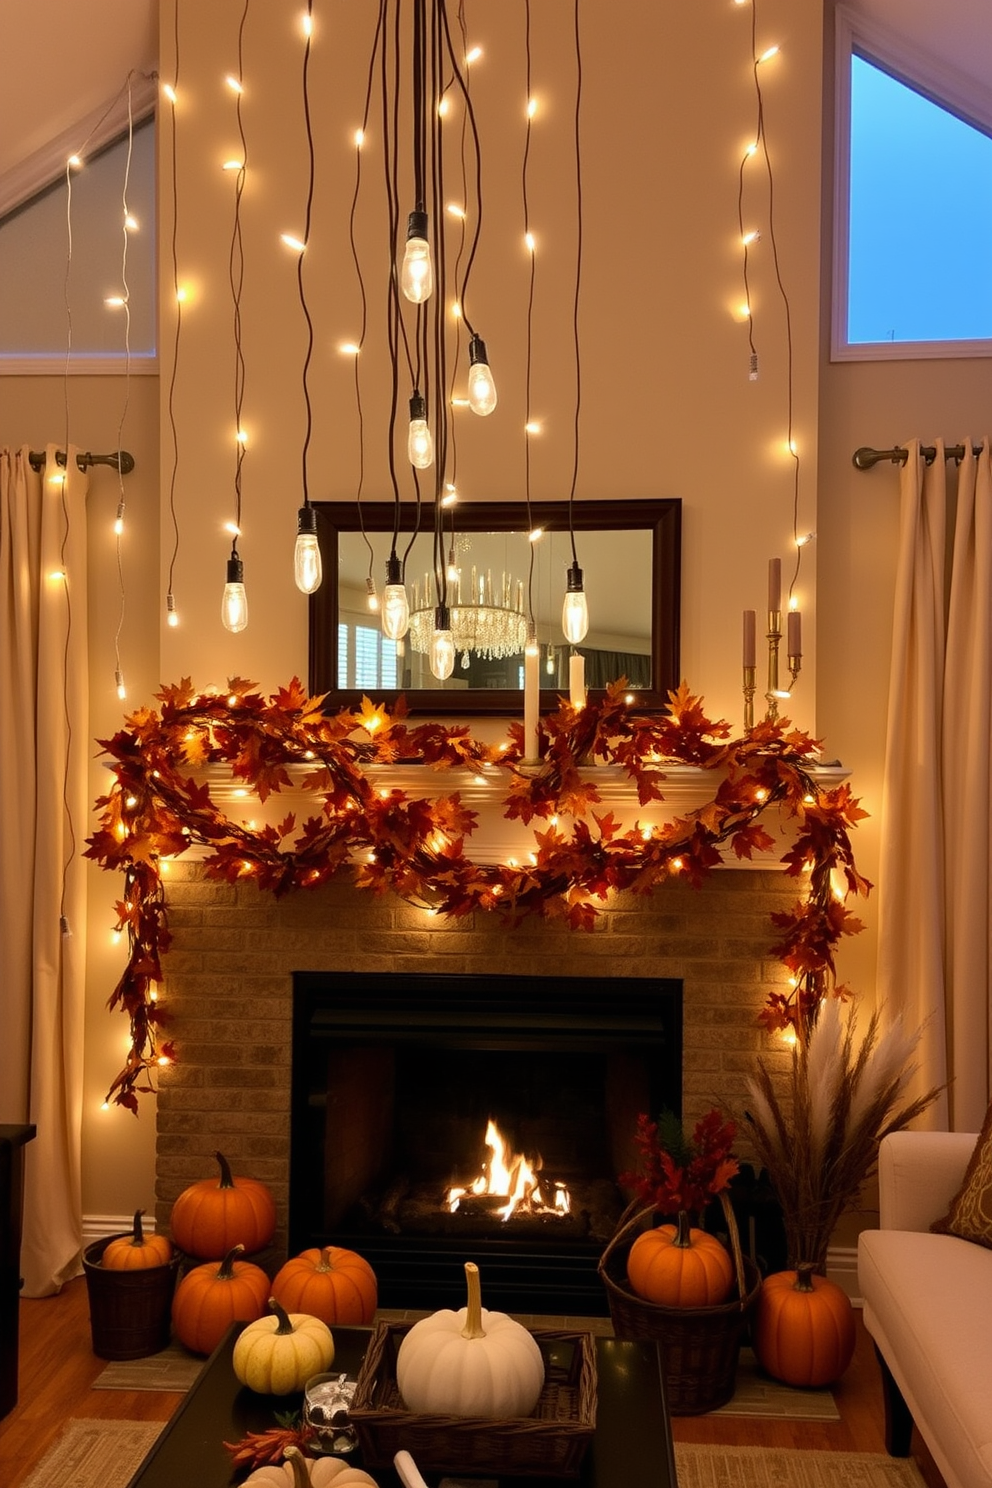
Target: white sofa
x=928, y=1307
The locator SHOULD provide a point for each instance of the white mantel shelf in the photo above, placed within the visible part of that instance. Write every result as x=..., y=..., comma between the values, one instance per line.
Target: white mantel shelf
x=495, y=839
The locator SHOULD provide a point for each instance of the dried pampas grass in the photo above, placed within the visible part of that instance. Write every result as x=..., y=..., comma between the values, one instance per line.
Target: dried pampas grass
x=819, y=1141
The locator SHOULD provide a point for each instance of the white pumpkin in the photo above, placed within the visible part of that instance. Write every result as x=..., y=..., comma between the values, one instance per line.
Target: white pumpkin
x=278, y=1353
x=470, y=1363
x=309, y=1472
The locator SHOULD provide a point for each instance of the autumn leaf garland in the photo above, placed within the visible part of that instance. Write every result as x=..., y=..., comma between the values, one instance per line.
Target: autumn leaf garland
x=415, y=847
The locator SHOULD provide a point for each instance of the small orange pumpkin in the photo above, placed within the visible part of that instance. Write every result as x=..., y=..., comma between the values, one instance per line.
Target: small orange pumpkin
x=676, y=1266
x=211, y=1297
x=803, y=1331
x=211, y=1216
x=136, y=1251
x=334, y=1284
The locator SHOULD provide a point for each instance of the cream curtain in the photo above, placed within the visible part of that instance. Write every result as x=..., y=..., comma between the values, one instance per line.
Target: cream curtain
x=44, y=743
x=934, y=919
x=967, y=822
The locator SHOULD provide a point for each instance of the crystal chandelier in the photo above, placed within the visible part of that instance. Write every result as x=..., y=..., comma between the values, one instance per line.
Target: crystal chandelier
x=490, y=625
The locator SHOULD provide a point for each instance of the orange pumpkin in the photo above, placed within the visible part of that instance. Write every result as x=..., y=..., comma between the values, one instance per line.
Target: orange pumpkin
x=334, y=1284
x=136, y=1251
x=211, y=1297
x=676, y=1266
x=803, y=1331
x=211, y=1216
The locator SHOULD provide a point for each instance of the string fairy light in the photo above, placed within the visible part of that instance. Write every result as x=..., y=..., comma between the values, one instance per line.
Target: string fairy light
x=234, y=604
x=61, y=478
x=749, y=237
x=178, y=299
x=575, y=612
x=532, y=650
x=354, y=349
x=128, y=225
x=306, y=553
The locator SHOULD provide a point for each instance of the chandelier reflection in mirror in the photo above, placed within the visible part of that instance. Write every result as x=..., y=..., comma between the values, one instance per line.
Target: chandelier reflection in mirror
x=487, y=617
x=420, y=130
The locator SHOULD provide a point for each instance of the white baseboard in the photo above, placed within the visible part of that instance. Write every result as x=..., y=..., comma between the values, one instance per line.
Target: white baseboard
x=842, y=1268
x=99, y=1226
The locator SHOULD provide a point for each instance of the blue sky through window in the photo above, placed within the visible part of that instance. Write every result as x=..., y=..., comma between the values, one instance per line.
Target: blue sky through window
x=920, y=251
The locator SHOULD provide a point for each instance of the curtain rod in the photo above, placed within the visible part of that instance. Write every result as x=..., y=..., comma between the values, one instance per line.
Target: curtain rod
x=120, y=460
x=865, y=457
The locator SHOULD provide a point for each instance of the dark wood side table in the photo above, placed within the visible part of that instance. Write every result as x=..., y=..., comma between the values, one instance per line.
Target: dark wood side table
x=12, y=1143
x=632, y=1442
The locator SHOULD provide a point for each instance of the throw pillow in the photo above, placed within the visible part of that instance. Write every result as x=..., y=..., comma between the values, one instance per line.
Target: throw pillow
x=970, y=1214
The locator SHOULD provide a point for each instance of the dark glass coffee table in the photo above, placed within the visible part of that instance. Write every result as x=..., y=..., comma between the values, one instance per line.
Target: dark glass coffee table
x=632, y=1442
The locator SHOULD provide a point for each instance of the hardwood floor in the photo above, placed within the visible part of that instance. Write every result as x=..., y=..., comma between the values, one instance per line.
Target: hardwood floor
x=58, y=1367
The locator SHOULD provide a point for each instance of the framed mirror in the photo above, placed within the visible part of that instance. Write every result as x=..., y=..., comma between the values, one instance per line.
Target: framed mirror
x=630, y=555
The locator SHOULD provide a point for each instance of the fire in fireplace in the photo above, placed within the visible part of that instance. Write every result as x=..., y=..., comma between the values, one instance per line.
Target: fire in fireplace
x=509, y=1183
x=438, y=1119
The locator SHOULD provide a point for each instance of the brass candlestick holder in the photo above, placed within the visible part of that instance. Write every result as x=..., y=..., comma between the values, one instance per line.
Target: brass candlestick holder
x=775, y=691
x=750, y=673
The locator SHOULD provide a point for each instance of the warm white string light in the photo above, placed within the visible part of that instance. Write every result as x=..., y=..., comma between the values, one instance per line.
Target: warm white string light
x=575, y=609
x=234, y=600
x=307, y=569
x=123, y=302
x=170, y=90
x=749, y=238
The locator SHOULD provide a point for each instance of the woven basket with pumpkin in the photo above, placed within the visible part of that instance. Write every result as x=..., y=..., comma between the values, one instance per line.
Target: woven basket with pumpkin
x=672, y=1282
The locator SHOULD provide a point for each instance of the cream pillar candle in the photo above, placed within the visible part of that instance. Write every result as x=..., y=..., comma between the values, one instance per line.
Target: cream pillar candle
x=774, y=585
x=577, y=680
x=795, y=634
x=532, y=694
x=750, y=633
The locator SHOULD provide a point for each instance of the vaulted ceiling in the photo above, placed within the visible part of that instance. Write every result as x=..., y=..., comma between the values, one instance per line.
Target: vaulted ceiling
x=62, y=62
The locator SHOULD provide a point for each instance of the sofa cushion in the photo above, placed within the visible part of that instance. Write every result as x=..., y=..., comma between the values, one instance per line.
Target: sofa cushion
x=970, y=1214
x=927, y=1302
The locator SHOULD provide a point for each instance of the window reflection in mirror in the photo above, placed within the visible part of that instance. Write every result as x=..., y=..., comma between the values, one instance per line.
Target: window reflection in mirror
x=495, y=576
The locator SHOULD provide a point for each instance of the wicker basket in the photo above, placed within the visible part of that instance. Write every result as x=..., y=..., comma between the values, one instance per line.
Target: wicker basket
x=699, y=1346
x=550, y=1442
x=130, y=1311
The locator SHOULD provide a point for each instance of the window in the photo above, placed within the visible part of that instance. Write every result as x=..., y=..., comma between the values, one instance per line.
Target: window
x=36, y=273
x=366, y=658
x=913, y=275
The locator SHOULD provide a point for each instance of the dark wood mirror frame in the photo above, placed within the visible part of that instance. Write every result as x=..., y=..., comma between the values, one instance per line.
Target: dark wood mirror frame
x=659, y=521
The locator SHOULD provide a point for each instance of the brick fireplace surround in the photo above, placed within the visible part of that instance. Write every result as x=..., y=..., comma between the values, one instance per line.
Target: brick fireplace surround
x=228, y=989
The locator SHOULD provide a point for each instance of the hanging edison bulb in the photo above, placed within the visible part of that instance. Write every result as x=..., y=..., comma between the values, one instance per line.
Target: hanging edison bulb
x=307, y=567
x=442, y=653
x=417, y=271
x=395, y=605
x=234, y=605
x=419, y=444
x=575, y=610
x=481, y=387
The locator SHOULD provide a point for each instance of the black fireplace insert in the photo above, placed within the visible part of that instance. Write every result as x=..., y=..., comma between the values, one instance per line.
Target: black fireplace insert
x=409, y=1088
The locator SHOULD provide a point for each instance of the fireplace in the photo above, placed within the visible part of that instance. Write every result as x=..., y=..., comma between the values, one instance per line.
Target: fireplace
x=396, y=1079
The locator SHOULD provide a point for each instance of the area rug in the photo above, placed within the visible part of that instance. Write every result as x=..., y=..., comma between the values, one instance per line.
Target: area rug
x=775, y=1467
x=95, y=1454
x=172, y=1368
x=757, y=1394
